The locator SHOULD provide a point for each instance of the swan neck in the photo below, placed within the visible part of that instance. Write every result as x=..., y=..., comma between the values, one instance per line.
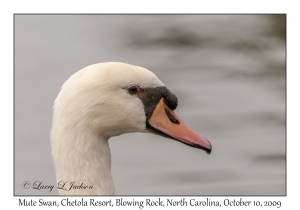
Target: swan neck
x=83, y=162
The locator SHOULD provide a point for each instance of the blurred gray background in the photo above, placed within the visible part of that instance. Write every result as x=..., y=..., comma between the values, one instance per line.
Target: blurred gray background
x=228, y=72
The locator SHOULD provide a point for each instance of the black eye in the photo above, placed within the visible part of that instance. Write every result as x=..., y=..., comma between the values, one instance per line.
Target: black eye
x=133, y=89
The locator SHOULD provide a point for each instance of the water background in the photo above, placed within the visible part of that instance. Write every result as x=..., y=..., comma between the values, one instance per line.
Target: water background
x=228, y=72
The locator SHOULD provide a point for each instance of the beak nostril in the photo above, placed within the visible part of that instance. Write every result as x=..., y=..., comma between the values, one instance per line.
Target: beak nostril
x=171, y=117
x=174, y=121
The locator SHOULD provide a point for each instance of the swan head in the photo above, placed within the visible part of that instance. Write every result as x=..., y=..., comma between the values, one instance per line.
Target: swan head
x=110, y=99
x=105, y=100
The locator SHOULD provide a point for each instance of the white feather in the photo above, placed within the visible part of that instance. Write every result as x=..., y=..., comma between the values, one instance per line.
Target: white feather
x=93, y=106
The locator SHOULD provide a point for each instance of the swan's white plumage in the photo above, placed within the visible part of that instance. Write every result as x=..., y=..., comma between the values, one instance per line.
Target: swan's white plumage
x=91, y=107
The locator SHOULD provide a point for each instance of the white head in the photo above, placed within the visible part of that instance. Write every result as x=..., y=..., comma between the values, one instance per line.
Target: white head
x=105, y=100
x=96, y=98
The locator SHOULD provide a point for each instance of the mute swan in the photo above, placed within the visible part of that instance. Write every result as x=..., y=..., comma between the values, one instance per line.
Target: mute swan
x=101, y=101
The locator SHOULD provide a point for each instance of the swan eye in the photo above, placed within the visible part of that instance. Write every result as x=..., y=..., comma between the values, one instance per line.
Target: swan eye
x=133, y=89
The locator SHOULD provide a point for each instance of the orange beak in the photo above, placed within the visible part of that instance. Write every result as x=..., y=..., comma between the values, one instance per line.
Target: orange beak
x=165, y=122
